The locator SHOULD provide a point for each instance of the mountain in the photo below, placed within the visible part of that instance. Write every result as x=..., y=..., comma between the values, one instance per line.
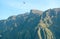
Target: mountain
x=32, y=25
x=55, y=19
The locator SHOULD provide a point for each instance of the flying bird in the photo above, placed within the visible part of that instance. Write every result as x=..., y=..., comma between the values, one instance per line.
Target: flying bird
x=24, y=3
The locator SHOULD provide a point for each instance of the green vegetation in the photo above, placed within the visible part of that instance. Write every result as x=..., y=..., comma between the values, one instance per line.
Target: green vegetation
x=32, y=26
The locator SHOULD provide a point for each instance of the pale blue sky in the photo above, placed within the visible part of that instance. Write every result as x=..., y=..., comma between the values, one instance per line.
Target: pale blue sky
x=15, y=7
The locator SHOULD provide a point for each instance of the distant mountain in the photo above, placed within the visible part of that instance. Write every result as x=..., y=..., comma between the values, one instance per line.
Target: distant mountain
x=32, y=25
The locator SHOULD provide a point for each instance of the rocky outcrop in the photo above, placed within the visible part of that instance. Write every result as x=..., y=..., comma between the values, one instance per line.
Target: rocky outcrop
x=33, y=25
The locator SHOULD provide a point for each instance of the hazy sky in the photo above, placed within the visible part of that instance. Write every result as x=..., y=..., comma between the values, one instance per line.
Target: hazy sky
x=15, y=7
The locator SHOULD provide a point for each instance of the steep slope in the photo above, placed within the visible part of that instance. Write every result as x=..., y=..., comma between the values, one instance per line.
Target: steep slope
x=20, y=26
x=33, y=25
x=54, y=18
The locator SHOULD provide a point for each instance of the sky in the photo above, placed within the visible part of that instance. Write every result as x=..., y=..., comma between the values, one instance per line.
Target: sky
x=15, y=7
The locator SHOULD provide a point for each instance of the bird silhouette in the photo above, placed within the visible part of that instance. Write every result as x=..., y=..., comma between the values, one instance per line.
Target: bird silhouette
x=24, y=3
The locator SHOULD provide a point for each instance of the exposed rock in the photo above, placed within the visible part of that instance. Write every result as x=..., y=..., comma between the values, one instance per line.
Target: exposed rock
x=35, y=25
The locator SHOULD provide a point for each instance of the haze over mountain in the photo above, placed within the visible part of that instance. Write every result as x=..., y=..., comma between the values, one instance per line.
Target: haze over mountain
x=32, y=25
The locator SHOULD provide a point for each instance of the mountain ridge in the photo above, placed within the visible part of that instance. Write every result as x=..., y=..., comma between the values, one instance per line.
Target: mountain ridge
x=33, y=25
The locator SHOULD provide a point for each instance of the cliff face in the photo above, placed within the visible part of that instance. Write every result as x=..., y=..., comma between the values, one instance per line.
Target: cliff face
x=33, y=25
x=52, y=17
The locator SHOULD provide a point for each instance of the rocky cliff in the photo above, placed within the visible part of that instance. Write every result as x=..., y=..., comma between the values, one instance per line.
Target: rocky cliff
x=33, y=25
